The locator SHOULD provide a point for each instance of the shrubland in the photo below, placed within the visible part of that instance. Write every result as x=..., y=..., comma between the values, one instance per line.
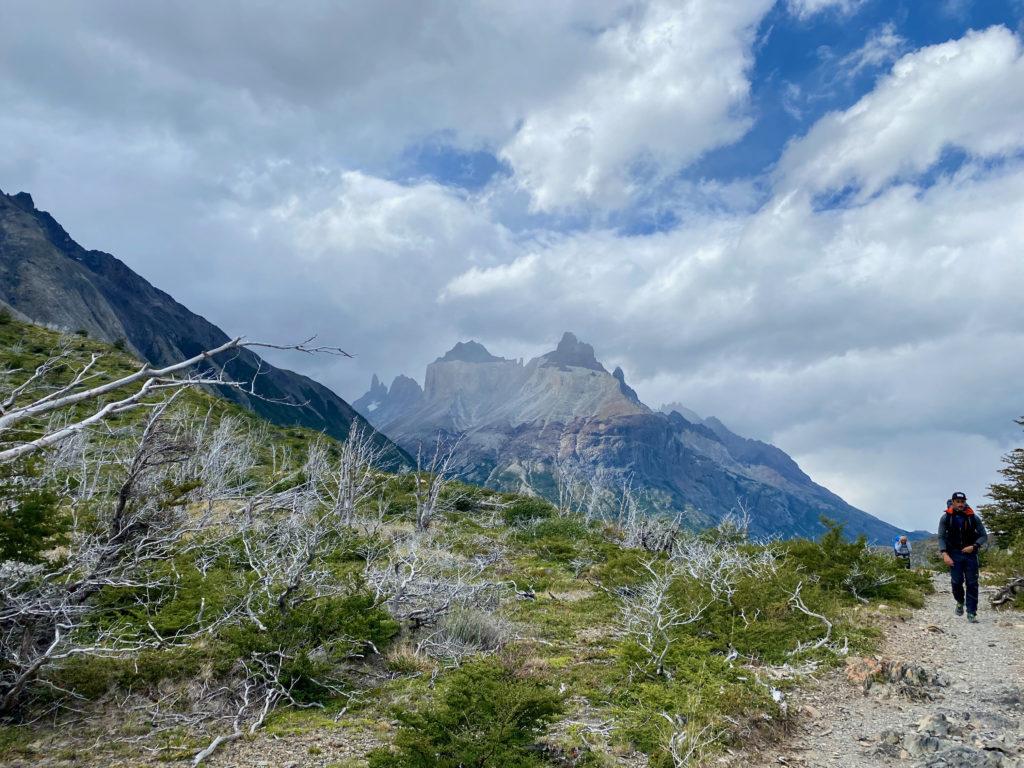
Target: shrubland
x=207, y=575
x=1004, y=520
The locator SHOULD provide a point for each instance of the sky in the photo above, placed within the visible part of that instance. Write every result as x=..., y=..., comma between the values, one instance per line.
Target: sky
x=802, y=217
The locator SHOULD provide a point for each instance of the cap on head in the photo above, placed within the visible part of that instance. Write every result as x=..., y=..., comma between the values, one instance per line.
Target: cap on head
x=958, y=496
x=903, y=538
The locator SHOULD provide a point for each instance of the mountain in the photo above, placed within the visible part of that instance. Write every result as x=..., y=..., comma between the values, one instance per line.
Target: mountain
x=49, y=278
x=520, y=427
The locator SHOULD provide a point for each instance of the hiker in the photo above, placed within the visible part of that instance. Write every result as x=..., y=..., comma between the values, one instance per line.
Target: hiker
x=961, y=535
x=902, y=550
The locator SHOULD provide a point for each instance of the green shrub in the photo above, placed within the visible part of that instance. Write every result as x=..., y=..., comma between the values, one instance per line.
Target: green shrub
x=524, y=510
x=487, y=713
x=314, y=638
x=31, y=519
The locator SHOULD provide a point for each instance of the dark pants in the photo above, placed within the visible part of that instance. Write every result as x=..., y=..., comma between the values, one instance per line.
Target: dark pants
x=965, y=568
x=904, y=560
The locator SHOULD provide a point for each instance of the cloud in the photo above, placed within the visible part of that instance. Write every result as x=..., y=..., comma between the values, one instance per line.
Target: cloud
x=907, y=478
x=805, y=9
x=671, y=84
x=963, y=93
x=881, y=47
x=245, y=163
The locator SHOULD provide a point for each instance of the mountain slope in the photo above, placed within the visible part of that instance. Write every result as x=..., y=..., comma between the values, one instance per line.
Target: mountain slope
x=522, y=426
x=48, y=277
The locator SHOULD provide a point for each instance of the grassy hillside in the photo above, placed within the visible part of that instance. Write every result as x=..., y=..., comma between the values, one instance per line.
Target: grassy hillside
x=191, y=573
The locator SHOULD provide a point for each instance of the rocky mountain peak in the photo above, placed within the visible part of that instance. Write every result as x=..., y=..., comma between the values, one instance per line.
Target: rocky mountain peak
x=24, y=201
x=626, y=390
x=405, y=389
x=469, y=352
x=573, y=352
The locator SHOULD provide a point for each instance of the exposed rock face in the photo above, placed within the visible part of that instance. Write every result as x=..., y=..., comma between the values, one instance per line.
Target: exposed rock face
x=518, y=426
x=49, y=278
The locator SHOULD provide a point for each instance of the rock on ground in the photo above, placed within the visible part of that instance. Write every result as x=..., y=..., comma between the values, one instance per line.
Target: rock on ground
x=941, y=693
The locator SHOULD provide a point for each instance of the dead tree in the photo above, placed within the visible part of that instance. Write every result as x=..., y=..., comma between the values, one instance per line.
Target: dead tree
x=1008, y=592
x=39, y=396
x=651, y=616
x=131, y=513
x=429, y=480
x=121, y=530
x=419, y=582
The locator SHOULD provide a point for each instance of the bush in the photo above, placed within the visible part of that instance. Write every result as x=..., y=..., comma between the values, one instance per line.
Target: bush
x=475, y=629
x=314, y=637
x=486, y=713
x=524, y=510
x=31, y=520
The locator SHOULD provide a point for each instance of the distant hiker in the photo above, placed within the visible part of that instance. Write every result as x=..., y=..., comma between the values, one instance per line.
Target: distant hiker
x=961, y=535
x=901, y=547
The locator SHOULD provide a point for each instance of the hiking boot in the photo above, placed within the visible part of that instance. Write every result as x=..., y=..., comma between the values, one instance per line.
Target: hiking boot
x=959, y=609
x=973, y=618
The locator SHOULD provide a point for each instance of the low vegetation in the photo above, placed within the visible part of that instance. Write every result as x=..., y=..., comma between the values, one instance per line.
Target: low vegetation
x=212, y=575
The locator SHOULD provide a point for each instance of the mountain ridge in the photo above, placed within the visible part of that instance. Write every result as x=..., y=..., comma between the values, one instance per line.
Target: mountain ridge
x=518, y=426
x=48, y=277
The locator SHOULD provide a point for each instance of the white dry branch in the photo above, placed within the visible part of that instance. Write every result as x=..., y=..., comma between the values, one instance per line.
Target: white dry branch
x=688, y=741
x=640, y=530
x=429, y=481
x=862, y=577
x=797, y=603
x=650, y=615
x=418, y=581
x=124, y=534
x=37, y=397
x=719, y=564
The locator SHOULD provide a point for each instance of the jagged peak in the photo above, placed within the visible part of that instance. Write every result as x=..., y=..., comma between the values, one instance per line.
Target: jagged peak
x=469, y=352
x=626, y=390
x=24, y=201
x=404, y=384
x=682, y=410
x=572, y=351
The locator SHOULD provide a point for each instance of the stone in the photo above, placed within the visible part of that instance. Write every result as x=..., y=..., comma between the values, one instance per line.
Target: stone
x=918, y=744
x=935, y=724
x=890, y=736
x=862, y=671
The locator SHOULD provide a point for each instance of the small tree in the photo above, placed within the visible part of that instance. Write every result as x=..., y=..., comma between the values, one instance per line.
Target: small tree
x=1005, y=515
x=31, y=520
x=487, y=713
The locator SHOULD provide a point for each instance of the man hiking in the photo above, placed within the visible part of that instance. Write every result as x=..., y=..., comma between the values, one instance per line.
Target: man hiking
x=961, y=535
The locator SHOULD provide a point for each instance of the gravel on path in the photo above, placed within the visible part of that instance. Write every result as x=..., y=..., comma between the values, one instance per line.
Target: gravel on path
x=941, y=693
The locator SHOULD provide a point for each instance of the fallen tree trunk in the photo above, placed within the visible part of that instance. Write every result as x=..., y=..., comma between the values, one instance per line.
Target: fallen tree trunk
x=1007, y=593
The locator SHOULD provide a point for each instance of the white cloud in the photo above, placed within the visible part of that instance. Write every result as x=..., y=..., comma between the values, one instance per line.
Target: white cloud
x=805, y=9
x=479, y=281
x=906, y=479
x=881, y=47
x=672, y=84
x=964, y=93
x=242, y=171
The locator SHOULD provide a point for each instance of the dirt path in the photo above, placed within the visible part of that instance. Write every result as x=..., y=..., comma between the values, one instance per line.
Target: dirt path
x=953, y=697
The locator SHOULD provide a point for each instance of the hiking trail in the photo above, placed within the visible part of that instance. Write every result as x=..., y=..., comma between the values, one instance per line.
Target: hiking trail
x=940, y=693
